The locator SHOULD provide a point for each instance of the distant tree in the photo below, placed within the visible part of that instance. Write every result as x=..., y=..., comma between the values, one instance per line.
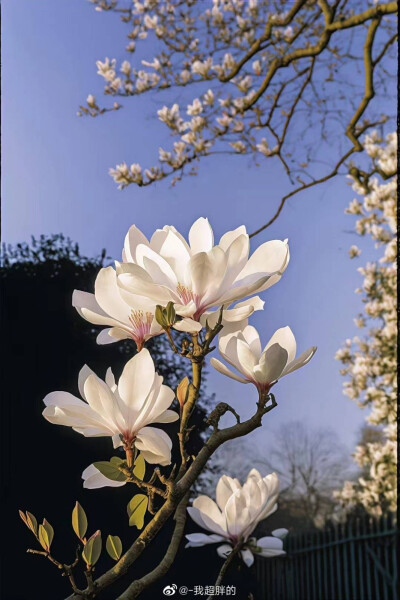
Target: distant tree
x=295, y=82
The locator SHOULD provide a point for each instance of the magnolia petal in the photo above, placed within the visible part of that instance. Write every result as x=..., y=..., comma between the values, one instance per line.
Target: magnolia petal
x=230, y=236
x=247, y=557
x=285, y=338
x=226, y=486
x=219, y=366
x=270, y=257
x=108, y=296
x=201, y=539
x=169, y=416
x=111, y=335
x=155, y=445
x=188, y=325
x=201, y=236
x=137, y=379
x=280, y=533
x=271, y=364
x=270, y=546
x=246, y=358
x=302, y=360
x=93, y=479
x=224, y=550
x=133, y=238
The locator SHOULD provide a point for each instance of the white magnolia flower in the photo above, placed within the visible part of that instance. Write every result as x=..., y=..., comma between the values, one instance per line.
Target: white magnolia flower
x=121, y=411
x=242, y=350
x=236, y=514
x=129, y=317
x=198, y=275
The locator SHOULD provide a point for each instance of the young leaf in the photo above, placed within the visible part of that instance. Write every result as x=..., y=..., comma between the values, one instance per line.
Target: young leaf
x=160, y=318
x=46, y=534
x=79, y=521
x=182, y=390
x=92, y=550
x=114, y=547
x=137, y=509
x=32, y=523
x=170, y=313
x=139, y=467
x=29, y=520
x=110, y=469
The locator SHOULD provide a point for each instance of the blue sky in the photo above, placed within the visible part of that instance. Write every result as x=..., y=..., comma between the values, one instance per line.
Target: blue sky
x=55, y=179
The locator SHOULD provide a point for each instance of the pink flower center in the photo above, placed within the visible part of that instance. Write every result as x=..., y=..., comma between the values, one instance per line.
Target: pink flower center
x=187, y=295
x=141, y=325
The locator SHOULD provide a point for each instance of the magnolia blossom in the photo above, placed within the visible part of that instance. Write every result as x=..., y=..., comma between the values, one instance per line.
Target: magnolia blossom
x=129, y=317
x=236, y=514
x=198, y=275
x=121, y=411
x=242, y=350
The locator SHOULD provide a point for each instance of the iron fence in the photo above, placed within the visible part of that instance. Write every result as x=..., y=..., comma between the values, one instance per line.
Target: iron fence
x=351, y=561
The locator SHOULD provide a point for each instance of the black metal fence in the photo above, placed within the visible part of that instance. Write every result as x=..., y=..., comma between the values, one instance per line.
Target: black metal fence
x=351, y=561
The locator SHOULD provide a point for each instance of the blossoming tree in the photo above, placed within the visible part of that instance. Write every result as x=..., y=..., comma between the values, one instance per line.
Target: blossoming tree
x=199, y=288
x=261, y=78
x=370, y=361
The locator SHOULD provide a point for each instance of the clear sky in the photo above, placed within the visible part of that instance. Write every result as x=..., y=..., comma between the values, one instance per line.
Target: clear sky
x=55, y=179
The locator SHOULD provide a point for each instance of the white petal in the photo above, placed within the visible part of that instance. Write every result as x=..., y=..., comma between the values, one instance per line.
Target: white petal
x=219, y=366
x=230, y=236
x=280, y=533
x=175, y=251
x=201, y=539
x=169, y=416
x=271, y=364
x=246, y=358
x=247, y=557
x=188, y=325
x=226, y=486
x=302, y=360
x=224, y=550
x=155, y=445
x=270, y=257
x=201, y=237
x=137, y=379
x=93, y=479
x=210, y=514
x=285, y=338
x=108, y=296
x=111, y=335
x=133, y=238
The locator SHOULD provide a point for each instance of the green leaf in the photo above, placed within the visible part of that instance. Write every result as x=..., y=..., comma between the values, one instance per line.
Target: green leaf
x=110, y=469
x=137, y=509
x=79, y=521
x=92, y=550
x=139, y=467
x=46, y=534
x=159, y=315
x=30, y=521
x=114, y=547
x=170, y=313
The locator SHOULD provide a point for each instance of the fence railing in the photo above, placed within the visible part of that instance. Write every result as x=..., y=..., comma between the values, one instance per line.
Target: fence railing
x=351, y=561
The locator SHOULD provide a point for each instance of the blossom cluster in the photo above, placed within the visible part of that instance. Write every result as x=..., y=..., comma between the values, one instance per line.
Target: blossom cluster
x=195, y=286
x=370, y=361
x=240, y=56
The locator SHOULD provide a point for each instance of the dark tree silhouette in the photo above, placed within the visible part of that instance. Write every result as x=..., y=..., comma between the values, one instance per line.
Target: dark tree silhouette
x=46, y=343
